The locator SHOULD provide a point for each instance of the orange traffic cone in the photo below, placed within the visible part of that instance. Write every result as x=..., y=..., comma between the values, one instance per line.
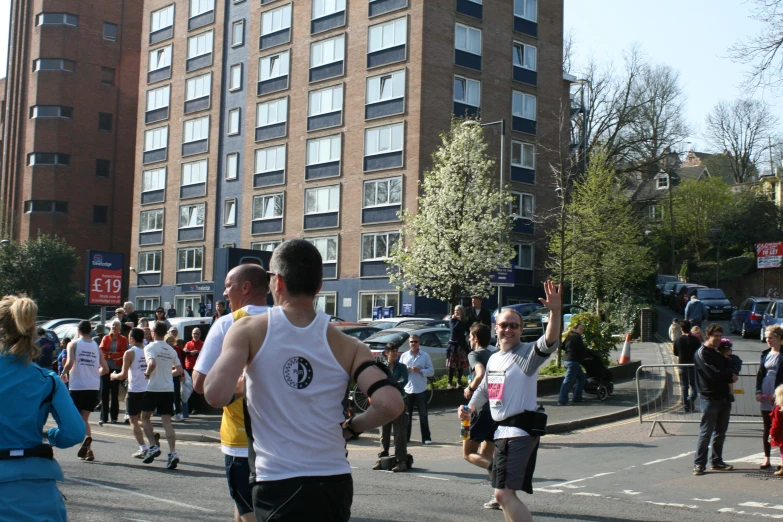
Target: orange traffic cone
x=625, y=356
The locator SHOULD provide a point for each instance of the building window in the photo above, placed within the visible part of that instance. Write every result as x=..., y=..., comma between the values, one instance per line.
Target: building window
x=378, y=247
x=326, y=303
x=200, y=45
x=147, y=303
x=162, y=19
x=154, y=179
x=51, y=111
x=527, y=9
x=327, y=51
x=276, y=20
x=107, y=76
x=327, y=246
x=190, y=259
x=269, y=206
x=192, y=216
x=199, y=7
x=524, y=256
x=662, y=181
x=523, y=155
x=160, y=58
x=105, y=121
x=271, y=159
x=196, y=130
x=48, y=158
x=156, y=140
x=382, y=192
x=232, y=165
x=110, y=32
x=195, y=172
x=45, y=205
x=100, y=214
x=385, y=87
x=326, y=100
x=387, y=35
x=57, y=19
x=656, y=212
x=382, y=140
x=467, y=91
x=182, y=303
x=522, y=205
x=265, y=246
x=149, y=262
x=151, y=221
x=229, y=212
x=198, y=92
x=102, y=168
x=323, y=150
x=272, y=112
x=370, y=300
x=53, y=64
x=158, y=98
x=233, y=122
x=235, y=81
x=237, y=33
x=467, y=39
x=525, y=56
x=273, y=66
x=323, y=8
x=322, y=200
x=524, y=106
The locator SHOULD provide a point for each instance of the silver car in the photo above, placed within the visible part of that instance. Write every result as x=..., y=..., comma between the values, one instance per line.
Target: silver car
x=434, y=341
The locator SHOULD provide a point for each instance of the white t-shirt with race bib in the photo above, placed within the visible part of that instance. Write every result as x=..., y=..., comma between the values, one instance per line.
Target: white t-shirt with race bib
x=85, y=373
x=165, y=358
x=137, y=382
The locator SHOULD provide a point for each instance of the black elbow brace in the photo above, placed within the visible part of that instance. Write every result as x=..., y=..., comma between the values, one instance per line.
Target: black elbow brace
x=388, y=381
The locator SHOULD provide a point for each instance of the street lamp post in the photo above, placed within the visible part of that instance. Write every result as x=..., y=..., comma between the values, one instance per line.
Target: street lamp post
x=502, y=123
x=718, y=234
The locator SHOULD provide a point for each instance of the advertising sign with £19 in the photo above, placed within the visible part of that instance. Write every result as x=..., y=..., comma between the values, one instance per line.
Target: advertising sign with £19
x=104, y=278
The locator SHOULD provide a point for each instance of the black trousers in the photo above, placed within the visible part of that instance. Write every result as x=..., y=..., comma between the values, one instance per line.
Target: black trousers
x=419, y=400
x=322, y=499
x=110, y=398
x=767, y=418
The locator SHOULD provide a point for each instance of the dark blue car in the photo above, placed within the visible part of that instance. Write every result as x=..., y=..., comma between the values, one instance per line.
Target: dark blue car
x=748, y=317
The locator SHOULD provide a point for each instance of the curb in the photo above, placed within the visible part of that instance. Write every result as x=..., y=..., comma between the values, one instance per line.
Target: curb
x=185, y=437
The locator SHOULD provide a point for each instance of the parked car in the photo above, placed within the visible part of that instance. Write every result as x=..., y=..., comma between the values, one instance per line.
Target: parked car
x=691, y=291
x=185, y=326
x=434, y=341
x=52, y=324
x=360, y=332
x=773, y=314
x=522, y=308
x=442, y=323
x=746, y=319
x=666, y=292
x=533, y=324
x=71, y=331
x=393, y=322
x=715, y=301
x=662, y=280
x=675, y=303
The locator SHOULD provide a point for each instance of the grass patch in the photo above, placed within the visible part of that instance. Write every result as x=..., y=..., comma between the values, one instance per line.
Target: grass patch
x=552, y=369
x=443, y=382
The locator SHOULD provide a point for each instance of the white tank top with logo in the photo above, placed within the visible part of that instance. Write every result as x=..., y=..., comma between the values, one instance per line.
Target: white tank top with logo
x=137, y=383
x=86, y=371
x=295, y=388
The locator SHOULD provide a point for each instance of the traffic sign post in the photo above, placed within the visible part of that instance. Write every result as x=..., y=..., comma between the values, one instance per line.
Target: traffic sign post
x=104, y=279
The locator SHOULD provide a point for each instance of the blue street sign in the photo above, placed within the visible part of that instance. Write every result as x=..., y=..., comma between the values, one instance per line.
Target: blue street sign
x=502, y=277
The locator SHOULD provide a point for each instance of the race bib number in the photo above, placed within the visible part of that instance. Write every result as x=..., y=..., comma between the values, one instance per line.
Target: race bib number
x=495, y=383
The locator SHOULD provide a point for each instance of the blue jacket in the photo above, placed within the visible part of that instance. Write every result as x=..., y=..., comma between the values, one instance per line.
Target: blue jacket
x=400, y=374
x=23, y=413
x=695, y=310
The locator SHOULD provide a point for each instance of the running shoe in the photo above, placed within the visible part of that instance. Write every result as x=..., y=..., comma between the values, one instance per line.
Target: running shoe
x=151, y=454
x=85, y=447
x=427, y=442
x=90, y=456
x=721, y=466
x=140, y=454
x=492, y=504
x=173, y=461
x=698, y=470
x=178, y=417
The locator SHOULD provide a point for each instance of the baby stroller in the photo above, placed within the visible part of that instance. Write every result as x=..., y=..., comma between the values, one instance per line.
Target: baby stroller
x=599, y=378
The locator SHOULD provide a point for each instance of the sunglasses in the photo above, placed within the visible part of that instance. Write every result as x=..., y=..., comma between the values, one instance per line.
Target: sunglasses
x=509, y=326
x=413, y=342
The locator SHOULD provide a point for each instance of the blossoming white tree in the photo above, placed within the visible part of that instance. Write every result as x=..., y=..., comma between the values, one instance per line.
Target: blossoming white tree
x=459, y=234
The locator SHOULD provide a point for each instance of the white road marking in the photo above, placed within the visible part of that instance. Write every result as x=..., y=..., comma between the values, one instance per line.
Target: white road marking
x=756, y=458
x=681, y=455
x=761, y=505
x=433, y=478
x=764, y=515
x=582, y=479
x=136, y=519
x=631, y=492
x=544, y=490
x=128, y=492
x=585, y=494
x=672, y=505
x=706, y=499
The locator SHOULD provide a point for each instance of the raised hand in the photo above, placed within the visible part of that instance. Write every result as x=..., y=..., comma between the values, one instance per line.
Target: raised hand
x=553, y=299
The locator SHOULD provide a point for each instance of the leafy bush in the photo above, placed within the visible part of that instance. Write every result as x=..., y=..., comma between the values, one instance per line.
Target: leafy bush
x=597, y=336
x=552, y=369
x=443, y=382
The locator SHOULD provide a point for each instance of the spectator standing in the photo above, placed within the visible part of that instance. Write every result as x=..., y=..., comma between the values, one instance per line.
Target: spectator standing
x=202, y=309
x=695, y=311
x=189, y=311
x=220, y=310
x=192, y=349
x=100, y=332
x=477, y=314
x=400, y=376
x=713, y=377
x=574, y=352
x=419, y=366
x=131, y=317
x=113, y=347
x=160, y=315
x=768, y=378
x=47, y=349
x=63, y=354
x=457, y=351
x=684, y=349
x=171, y=340
x=28, y=482
x=675, y=330
x=171, y=312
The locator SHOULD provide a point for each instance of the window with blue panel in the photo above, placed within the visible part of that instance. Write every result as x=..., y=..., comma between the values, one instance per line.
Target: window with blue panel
x=472, y=8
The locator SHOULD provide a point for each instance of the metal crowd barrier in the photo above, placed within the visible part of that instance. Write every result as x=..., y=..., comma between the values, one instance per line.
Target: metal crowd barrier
x=659, y=396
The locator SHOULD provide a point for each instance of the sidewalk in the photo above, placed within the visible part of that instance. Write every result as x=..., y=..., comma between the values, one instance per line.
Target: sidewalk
x=444, y=425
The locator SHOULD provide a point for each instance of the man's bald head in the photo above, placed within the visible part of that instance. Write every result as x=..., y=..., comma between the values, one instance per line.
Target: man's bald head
x=253, y=274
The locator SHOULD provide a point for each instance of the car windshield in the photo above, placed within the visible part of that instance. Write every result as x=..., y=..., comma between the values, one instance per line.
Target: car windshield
x=711, y=294
x=538, y=313
x=383, y=325
x=388, y=337
x=666, y=278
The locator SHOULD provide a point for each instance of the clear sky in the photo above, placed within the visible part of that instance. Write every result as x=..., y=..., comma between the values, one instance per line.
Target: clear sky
x=692, y=36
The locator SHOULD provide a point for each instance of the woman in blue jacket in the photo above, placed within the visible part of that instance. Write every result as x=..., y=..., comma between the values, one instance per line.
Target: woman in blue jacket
x=28, y=471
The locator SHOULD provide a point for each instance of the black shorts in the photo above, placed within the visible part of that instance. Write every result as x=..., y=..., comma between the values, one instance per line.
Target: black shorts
x=238, y=476
x=326, y=499
x=514, y=463
x=483, y=430
x=85, y=400
x=134, y=402
x=163, y=402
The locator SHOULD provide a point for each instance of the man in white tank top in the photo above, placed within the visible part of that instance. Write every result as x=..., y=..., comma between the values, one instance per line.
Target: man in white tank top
x=297, y=368
x=83, y=368
x=133, y=367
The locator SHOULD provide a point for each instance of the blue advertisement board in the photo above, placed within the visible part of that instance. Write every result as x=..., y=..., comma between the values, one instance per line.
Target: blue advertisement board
x=502, y=276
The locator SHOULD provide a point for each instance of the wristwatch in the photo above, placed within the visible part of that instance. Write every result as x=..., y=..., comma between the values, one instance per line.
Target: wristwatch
x=347, y=426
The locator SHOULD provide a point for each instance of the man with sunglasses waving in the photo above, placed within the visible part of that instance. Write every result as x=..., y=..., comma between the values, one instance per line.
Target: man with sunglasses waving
x=510, y=386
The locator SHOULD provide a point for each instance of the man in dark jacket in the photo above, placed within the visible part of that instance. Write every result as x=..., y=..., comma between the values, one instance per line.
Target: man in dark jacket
x=574, y=352
x=712, y=380
x=477, y=314
x=685, y=347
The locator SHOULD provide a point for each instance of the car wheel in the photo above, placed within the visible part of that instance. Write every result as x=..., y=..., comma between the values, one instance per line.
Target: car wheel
x=761, y=334
x=732, y=330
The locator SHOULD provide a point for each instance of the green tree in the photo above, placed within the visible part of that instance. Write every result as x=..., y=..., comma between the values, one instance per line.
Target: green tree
x=748, y=219
x=458, y=236
x=698, y=207
x=42, y=268
x=605, y=236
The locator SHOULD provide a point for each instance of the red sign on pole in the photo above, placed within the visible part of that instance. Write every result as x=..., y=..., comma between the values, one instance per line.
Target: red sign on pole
x=769, y=255
x=104, y=278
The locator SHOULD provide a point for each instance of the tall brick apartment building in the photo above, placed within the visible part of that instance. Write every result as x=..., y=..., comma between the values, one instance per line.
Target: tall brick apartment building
x=265, y=120
x=69, y=124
